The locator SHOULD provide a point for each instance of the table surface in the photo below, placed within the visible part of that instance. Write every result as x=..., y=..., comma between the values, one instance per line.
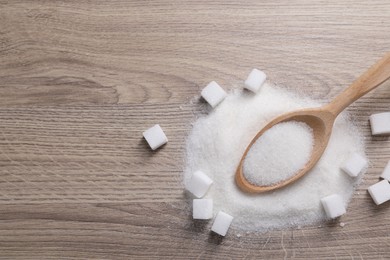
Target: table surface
x=81, y=80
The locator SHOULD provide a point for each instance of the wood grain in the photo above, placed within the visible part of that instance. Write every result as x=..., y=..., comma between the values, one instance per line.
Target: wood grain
x=81, y=80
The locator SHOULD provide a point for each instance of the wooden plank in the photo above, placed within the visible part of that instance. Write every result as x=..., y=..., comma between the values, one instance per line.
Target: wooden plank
x=126, y=52
x=165, y=230
x=92, y=154
x=97, y=154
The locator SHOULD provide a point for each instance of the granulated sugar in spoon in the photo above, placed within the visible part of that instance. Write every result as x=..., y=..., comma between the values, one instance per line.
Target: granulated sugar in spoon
x=321, y=120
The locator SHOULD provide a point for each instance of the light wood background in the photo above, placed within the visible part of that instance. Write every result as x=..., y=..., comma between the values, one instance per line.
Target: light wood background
x=81, y=80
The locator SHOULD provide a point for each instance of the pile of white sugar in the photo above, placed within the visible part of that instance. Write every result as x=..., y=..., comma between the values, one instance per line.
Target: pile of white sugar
x=279, y=153
x=218, y=140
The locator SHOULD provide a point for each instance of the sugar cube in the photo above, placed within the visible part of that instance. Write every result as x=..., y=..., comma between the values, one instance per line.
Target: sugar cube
x=354, y=165
x=386, y=172
x=199, y=184
x=202, y=208
x=380, y=123
x=380, y=192
x=155, y=137
x=333, y=206
x=213, y=93
x=255, y=80
x=222, y=223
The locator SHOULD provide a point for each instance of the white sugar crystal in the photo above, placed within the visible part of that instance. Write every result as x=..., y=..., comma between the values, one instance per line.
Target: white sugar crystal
x=354, y=165
x=333, y=206
x=199, y=184
x=222, y=223
x=213, y=93
x=202, y=208
x=279, y=153
x=155, y=137
x=380, y=123
x=380, y=192
x=255, y=80
x=386, y=172
x=219, y=139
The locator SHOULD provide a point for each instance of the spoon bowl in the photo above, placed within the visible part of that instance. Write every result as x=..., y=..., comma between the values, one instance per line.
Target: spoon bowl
x=321, y=121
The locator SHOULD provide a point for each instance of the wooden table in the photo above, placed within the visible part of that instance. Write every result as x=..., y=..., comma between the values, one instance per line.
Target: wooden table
x=81, y=80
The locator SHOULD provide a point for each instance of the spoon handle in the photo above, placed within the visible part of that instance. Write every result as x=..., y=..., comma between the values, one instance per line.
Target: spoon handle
x=371, y=79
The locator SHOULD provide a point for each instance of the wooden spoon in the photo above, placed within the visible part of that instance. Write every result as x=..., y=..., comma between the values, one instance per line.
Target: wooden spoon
x=321, y=120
